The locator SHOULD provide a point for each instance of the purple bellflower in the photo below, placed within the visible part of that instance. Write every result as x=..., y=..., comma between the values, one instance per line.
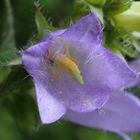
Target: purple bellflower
x=75, y=77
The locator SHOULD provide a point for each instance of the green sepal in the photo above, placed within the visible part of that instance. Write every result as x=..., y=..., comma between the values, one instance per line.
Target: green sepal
x=43, y=27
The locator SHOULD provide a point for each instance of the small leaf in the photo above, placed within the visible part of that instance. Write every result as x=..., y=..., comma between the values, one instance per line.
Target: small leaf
x=42, y=24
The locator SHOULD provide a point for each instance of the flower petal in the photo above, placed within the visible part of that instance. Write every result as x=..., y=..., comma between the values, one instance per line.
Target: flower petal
x=101, y=67
x=135, y=65
x=52, y=35
x=87, y=29
x=32, y=56
x=50, y=109
x=108, y=69
x=77, y=97
x=120, y=113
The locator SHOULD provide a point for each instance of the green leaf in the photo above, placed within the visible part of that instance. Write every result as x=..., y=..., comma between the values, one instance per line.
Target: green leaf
x=15, y=96
x=8, y=130
x=24, y=110
x=42, y=24
x=14, y=83
x=7, y=47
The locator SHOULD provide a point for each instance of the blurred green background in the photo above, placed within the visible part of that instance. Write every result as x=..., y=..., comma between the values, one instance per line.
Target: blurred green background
x=19, y=119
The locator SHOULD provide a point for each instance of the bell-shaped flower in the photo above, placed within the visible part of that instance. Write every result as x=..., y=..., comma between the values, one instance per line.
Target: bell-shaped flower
x=73, y=72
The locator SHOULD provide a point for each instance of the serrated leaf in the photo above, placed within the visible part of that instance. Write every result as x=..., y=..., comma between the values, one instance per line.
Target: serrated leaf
x=8, y=130
x=42, y=24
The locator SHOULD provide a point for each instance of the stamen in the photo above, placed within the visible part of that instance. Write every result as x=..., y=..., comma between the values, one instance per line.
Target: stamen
x=64, y=61
x=69, y=66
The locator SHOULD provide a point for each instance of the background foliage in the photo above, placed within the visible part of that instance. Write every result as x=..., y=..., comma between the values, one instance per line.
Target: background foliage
x=19, y=119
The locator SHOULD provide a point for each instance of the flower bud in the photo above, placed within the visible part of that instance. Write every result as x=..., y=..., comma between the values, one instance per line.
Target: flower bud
x=130, y=19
